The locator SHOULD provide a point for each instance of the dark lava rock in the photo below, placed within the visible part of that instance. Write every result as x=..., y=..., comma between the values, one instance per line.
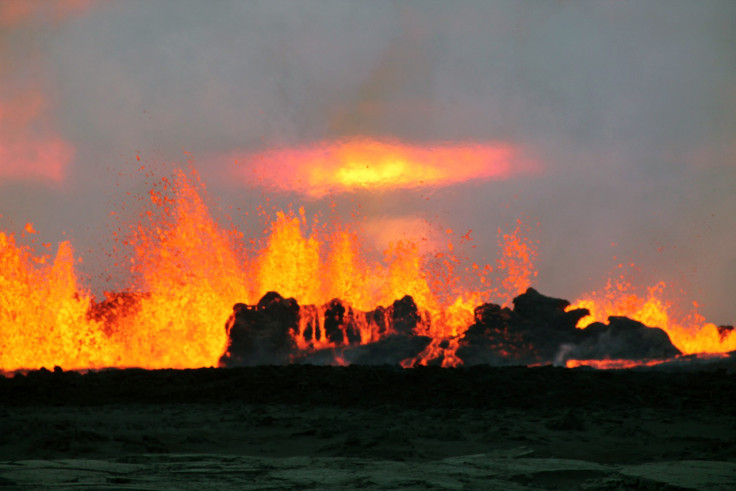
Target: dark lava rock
x=547, y=313
x=405, y=315
x=485, y=387
x=624, y=338
x=262, y=335
x=339, y=325
x=539, y=330
x=530, y=333
x=390, y=350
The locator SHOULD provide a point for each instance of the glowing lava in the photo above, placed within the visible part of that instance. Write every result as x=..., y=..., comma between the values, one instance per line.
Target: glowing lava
x=688, y=332
x=190, y=271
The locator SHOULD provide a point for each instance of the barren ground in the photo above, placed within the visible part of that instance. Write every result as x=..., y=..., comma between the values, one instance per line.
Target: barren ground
x=369, y=427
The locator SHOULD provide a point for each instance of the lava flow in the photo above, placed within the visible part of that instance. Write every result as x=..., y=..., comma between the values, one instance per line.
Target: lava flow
x=312, y=294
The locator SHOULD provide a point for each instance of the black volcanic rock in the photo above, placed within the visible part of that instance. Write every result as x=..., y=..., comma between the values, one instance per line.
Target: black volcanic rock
x=261, y=334
x=625, y=339
x=530, y=333
x=334, y=313
x=539, y=330
x=547, y=313
x=380, y=318
x=339, y=324
x=264, y=334
x=391, y=350
x=395, y=326
x=405, y=315
x=532, y=304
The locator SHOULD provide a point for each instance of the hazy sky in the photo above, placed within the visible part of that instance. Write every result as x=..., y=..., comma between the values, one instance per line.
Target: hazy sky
x=627, y=107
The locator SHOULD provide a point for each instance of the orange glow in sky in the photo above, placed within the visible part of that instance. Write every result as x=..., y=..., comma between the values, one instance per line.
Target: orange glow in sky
x=341, y=166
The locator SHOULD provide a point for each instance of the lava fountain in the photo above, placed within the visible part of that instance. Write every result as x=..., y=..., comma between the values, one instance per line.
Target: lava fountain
x=189, y=272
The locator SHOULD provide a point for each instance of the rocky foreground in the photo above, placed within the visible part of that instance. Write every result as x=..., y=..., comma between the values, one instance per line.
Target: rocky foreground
x=311, y=427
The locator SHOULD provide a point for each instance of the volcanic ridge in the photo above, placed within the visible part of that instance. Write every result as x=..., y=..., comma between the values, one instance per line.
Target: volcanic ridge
x=537, y=330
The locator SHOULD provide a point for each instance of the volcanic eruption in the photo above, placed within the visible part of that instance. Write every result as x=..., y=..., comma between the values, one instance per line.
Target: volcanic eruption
x=367, y=245
x=309, y=291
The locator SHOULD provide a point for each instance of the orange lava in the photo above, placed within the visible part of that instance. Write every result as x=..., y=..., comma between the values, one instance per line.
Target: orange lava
x=611, y=364
x=348, y=165
x=189, y=271
x=688, y=332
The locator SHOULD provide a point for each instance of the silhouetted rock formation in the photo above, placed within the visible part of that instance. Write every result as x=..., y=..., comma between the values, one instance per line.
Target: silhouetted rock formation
x=537, y=330
x=530, y=333
x=261, y=335
x=264, y=334
x=339, y=324
x=623, y=338
x=405, y=315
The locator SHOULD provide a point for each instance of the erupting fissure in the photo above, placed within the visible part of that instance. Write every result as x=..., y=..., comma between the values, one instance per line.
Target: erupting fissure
x=331, y=302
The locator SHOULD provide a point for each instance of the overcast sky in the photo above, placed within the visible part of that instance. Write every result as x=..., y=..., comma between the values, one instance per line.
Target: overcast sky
x=628, y=109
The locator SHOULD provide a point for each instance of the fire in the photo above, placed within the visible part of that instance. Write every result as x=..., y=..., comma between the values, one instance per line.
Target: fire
x=517, y=257
x=348, y=165
x=190, y=271
x=624, y=364
x=173, y=320
x=611, y=364
x=688, y=332
x=43, y=312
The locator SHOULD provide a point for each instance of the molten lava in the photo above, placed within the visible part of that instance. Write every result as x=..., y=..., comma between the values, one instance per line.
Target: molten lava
x=190, y=271
x=688, y=332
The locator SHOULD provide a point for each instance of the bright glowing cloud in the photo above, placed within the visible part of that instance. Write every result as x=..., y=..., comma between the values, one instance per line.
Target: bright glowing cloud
x=350, y=165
